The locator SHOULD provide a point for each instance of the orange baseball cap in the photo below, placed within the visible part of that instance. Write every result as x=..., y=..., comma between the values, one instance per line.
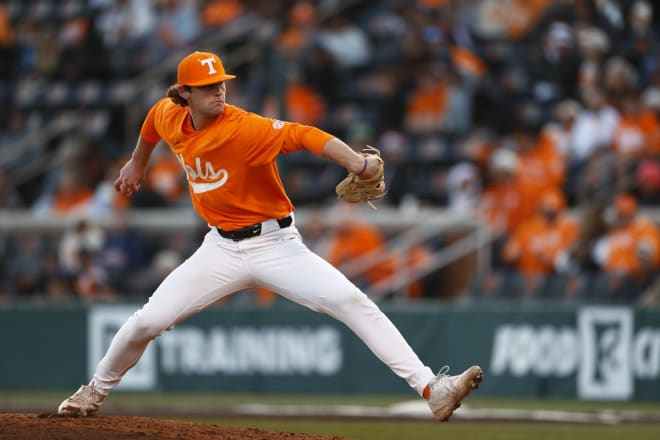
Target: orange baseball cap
x=201, y=69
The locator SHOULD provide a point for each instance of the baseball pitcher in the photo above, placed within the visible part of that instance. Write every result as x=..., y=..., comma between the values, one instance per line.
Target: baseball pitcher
x=228, y=155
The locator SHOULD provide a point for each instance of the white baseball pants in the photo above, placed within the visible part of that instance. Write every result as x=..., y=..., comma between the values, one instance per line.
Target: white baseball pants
x=277, y=260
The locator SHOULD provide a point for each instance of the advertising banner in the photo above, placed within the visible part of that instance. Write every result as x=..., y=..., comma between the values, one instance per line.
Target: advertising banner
x=588, y=352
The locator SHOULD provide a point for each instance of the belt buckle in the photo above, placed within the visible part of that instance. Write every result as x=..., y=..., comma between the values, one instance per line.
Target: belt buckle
x=252, y=231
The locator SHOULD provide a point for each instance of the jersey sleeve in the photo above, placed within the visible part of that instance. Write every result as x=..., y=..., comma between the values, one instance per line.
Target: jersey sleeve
x=148, y=132
x=271, y=137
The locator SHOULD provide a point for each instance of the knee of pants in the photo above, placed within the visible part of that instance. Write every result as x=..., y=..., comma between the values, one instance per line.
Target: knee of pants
x=146, y=328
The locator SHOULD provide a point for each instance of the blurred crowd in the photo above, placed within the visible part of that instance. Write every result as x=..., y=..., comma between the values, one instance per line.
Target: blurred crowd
x=541, y=117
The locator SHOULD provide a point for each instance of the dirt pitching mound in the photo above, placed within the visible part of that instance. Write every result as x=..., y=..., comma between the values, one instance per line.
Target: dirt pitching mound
x=54, y=427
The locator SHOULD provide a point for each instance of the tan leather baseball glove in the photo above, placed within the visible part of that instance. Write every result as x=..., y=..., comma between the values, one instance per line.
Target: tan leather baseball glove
x=353, y=189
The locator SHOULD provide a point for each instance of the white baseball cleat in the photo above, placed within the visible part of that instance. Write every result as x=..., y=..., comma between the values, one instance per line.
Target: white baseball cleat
x=84, y=402
x=446, y=392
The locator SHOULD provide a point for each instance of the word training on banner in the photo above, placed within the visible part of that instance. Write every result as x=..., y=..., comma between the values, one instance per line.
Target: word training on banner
x=196, y=350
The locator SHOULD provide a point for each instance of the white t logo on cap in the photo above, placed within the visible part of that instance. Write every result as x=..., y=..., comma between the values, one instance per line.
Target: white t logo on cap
x=209, y=62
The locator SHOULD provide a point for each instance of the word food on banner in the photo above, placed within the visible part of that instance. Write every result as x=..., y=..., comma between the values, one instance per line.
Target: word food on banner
x=603, y=350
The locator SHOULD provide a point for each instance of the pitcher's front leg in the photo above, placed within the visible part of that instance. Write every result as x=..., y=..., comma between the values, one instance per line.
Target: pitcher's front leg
x=292, y=270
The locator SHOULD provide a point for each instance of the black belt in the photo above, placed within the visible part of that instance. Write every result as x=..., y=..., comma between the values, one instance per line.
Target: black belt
x=252, y=230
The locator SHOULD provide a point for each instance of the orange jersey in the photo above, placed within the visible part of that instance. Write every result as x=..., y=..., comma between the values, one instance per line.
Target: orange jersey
x=637, y=135
x=429, y=101
x=505, y=205
x=536, y=243
x=543, y=166
x=620, y=253
x=358, y=239
x=230, y=165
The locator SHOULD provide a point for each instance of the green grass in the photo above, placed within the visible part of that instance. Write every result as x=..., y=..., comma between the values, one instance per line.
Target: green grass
x=395, y=430
x=218, y=399
x=383, y=430
x=563, y=404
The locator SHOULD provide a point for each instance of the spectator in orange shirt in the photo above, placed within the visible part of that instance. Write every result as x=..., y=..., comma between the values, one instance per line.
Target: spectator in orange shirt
x=353, y=239
x=542, y=166
x=164, y=177
x=537, y=242
x=504, y=203
x=299, y=32
x=217, y=13
x=637, y=132
x=302, y=103
x=629, y=253
x=428, y=102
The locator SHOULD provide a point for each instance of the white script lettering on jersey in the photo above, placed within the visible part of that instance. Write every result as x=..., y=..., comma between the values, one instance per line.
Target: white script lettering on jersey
x=214, y=179
x=208, y=62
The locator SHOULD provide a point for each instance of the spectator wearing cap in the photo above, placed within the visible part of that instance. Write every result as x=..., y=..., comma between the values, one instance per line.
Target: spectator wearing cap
x=539, y=240
x=537, y=243
x=629, y=253
x=542, y=166
x=504, y=202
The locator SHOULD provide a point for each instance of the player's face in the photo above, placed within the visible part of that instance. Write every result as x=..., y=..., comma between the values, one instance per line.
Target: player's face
x=209, y=99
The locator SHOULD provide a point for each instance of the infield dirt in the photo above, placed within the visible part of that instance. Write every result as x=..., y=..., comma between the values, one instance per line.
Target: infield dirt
x=54, y=427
